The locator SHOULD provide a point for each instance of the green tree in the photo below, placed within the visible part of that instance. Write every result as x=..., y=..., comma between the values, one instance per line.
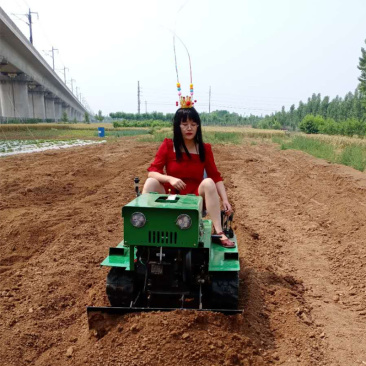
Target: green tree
x=86, y=117
x=324, y=107
x=64, y=117
x=99, y=117
x=362, y=79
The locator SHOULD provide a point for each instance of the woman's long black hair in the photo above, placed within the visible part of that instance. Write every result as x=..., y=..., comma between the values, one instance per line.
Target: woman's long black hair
x=182, y=115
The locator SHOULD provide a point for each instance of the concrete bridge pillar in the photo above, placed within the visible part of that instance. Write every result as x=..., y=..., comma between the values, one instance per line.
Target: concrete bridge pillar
x=14, y=96
x=36, y=102
x=58, y=109
x=30, y=104
x=71, y=114
x=49, y=101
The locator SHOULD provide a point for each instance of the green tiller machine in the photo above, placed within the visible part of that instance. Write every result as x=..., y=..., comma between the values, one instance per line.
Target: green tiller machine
x=169, y=260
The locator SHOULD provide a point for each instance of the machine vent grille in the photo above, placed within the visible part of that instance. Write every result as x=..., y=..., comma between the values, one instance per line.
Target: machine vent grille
x=162, y=237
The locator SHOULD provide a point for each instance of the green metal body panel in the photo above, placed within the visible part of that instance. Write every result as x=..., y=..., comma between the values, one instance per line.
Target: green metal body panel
x=223, y=259
x=161, y=215
x=220, y=259
x=120, y=256
x=161, y=218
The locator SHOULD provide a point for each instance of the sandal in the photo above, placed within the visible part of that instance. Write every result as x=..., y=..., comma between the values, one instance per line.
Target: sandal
x=226, y=243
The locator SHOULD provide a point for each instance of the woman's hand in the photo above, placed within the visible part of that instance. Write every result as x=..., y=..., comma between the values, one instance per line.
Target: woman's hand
x=177, y=183
x=227, y=207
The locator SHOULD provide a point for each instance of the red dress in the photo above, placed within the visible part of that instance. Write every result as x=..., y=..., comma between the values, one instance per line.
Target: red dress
x=189, y=170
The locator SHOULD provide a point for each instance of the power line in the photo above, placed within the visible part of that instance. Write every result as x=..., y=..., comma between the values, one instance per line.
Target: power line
x=29, y=17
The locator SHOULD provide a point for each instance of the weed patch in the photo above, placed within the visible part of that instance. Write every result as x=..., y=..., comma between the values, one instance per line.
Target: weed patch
x=316, y=148
x=352, y=154
x=216, y=137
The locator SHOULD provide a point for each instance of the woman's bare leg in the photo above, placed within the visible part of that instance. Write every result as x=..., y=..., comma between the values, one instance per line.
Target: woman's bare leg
x=207, y=190
x=153, y=185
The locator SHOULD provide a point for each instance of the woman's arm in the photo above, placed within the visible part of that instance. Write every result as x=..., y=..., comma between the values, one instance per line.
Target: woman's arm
x=222, y=193
x=156, y=169
x=162, y=178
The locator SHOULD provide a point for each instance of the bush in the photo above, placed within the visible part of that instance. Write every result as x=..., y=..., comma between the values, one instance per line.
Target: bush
x=316, y=124
x=269, y=123
x=311, y=124
x=353, y=127
x=329, y=127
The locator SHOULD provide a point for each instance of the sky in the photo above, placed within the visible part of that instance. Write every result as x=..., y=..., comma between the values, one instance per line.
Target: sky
x=255, y=55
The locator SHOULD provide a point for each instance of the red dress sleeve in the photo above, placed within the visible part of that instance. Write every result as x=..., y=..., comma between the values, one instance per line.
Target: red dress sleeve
x=161, y=158
x=210, y=165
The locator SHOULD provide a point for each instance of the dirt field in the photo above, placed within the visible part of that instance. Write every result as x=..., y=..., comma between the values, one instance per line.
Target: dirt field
x=301, y=228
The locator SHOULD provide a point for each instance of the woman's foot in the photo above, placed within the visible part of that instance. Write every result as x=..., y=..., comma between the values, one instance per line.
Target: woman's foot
x=225, y=241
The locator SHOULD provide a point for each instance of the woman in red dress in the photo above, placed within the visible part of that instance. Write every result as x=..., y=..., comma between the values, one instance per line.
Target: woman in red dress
x=185, y=158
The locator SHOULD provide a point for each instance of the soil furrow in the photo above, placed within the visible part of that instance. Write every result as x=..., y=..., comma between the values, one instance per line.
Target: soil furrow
x=300, y=225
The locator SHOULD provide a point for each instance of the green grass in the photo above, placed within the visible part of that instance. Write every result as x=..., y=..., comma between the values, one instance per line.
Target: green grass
x=211, y=137
x=125, y=133
x=157, y=136
x=352, y=155
x=56, y=134
x=316, y=148
x=215, y=137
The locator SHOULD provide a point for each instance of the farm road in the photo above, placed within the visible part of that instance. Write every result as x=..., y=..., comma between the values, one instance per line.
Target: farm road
x=300, y=224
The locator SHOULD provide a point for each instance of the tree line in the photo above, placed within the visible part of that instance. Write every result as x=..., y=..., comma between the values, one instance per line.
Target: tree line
x=153, y=116
x=338, y=109
x=341, y=115
x=220, y=117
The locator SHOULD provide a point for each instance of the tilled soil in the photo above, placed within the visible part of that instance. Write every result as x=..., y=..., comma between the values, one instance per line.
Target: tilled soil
x=301, y=230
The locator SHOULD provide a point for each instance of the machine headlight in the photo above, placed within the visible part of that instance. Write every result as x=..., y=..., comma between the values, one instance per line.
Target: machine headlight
x=138, y=219
x=184, y=222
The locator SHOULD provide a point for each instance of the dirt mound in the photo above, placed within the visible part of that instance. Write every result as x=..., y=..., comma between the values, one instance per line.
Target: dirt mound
x=186, y=337
x=300, y=225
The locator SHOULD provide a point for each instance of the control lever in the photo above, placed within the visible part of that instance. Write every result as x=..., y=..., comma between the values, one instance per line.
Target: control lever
x=137, y=181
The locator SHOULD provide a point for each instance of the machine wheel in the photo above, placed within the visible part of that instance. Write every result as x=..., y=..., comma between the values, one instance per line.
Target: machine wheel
x=224, y=290
x=120, y=287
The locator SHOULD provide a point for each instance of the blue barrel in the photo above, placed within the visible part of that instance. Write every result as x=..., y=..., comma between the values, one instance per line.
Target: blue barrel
x=101, y=132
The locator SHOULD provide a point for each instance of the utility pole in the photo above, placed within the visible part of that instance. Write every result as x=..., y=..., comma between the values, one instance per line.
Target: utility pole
x=209, y=101
x=53, y=57
x=145, y=107
x=65, y=68
x=30, y=24
x=29, y=17
x=77, y=92
x=138, y=97
x=72, y=85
